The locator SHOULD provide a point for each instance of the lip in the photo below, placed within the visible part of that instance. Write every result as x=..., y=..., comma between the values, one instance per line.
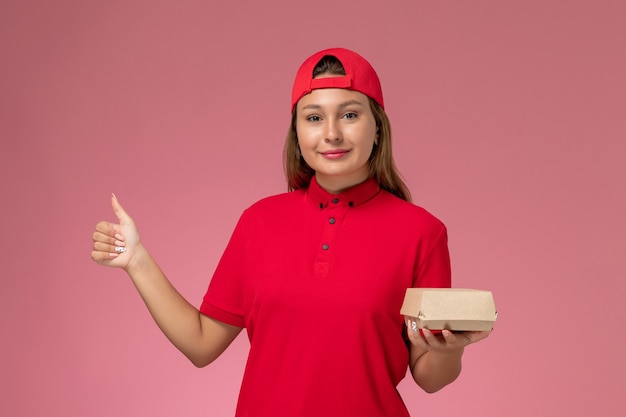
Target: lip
x=335, y=153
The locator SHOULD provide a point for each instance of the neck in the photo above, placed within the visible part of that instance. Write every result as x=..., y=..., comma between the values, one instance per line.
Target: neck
x=336, y=185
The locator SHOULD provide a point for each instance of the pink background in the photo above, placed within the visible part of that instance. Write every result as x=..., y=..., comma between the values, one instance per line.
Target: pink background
x=509, y=122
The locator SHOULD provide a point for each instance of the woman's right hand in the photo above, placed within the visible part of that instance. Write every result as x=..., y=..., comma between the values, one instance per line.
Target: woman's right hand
x=109, y=236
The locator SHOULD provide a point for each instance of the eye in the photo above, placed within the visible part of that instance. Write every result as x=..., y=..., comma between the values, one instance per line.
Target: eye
x=350, y=115
x=313, y=118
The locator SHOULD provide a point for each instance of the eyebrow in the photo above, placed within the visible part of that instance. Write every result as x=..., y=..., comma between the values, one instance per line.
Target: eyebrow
x=341, y=106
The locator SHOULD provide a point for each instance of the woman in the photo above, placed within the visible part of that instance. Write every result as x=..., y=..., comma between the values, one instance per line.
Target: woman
x=316, y=275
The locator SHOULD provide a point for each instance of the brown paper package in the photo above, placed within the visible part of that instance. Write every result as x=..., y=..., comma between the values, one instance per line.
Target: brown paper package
x=457, y=309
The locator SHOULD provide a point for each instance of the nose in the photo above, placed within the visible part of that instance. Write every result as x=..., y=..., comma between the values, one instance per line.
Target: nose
x=333, y=132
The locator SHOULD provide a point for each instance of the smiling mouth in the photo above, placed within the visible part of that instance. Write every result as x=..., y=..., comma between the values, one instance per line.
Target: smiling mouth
x=338, y=153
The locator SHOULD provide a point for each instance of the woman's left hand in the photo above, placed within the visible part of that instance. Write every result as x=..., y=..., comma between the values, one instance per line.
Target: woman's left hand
x=435, y=358
x=447, y=341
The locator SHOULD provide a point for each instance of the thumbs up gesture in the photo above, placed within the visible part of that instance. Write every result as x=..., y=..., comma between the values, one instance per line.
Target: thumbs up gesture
x=115, y=244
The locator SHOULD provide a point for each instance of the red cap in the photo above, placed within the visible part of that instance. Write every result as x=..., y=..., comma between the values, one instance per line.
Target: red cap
x=360, y=76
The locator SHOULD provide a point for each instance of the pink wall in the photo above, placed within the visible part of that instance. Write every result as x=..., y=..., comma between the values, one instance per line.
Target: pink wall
x=509, y=119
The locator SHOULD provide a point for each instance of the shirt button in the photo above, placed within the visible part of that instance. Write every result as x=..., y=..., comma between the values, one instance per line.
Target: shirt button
x=335, y=200
x=325, y=246
x=331, y=220
x=351, y=203
x=321, y=205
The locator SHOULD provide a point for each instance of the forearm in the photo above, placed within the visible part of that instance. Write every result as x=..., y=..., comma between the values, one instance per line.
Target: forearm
x=176, y=317
x=434, y=370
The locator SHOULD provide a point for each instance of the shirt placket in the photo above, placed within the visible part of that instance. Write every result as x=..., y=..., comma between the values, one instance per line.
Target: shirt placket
x=333, y=215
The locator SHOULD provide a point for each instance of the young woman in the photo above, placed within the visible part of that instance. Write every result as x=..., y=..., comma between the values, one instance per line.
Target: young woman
x=316, y=275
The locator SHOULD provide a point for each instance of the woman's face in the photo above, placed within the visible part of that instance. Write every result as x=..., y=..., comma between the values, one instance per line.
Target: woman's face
x=336, y=133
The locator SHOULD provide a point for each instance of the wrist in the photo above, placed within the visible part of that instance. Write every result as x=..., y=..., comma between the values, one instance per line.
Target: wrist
x=139, y=260
x=448, y=354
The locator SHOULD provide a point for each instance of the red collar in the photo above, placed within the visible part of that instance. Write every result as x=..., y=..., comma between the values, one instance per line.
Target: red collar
x=351, y=197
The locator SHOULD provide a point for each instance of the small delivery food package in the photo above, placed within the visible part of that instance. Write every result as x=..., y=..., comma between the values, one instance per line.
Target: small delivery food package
x=450, y=308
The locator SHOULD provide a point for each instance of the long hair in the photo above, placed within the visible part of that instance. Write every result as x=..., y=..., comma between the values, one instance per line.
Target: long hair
x=381, y=164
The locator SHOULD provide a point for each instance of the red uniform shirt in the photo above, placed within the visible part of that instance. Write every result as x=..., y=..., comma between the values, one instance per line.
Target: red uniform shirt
x=318, y=280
